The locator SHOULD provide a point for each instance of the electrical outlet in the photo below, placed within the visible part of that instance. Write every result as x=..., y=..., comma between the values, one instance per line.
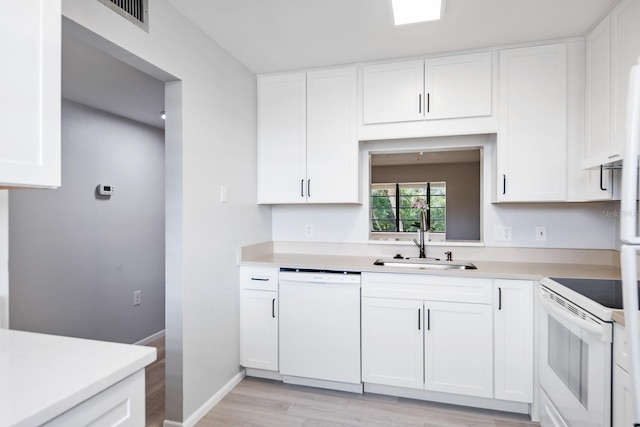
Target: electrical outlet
x=137, y=298
x=308, y=230
x=502, y=233
x=541, y=233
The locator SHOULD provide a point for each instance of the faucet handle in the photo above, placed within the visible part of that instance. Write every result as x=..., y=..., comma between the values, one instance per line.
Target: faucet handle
x=449, y=255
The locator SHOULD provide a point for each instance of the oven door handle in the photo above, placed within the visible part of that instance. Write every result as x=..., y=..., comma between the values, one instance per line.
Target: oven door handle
x=594, y=328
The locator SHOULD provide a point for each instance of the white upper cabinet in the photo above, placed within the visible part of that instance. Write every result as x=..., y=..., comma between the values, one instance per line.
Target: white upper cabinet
x=532, y=136
x=30, y=86
x=393, y=92
x=436, y=88
x=307, y=143
x=625, y=52
x=613, y=47
x=332, y=144
x=458, y=86
x=282, y=138
x=598, y=134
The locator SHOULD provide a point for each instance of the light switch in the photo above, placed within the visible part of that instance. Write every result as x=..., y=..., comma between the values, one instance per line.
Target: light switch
x=223, y=194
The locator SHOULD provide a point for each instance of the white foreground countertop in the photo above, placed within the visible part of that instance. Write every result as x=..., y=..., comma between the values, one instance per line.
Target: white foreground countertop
x=42, y=376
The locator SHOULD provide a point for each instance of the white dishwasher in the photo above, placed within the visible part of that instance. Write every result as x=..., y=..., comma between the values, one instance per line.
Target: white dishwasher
x=320, y=329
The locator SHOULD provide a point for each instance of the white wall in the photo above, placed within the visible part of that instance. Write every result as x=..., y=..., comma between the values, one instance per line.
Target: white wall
x=93, y=252
x=212, y=143
x=569, y=225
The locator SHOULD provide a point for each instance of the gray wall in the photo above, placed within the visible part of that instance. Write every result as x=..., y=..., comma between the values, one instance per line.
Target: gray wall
x=75, y=259
x=463, y=192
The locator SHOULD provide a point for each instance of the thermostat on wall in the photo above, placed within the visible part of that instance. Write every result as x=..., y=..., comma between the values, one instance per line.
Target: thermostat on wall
x=105, y=190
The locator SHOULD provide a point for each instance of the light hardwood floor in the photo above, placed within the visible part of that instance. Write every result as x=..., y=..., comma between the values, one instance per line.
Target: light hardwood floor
x=267, y=403
x=258, y=402
x=154, y=382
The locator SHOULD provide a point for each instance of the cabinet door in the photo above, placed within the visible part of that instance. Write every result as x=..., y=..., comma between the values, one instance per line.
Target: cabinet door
x=332, y=143
x=458, y=348
x=598, y=137
x=30, y=88
x=282, y=128
x=392, y=341
x=259, y=329
x=513, y=360
x=622, y=398
x=458, y=86
x=625, y=51
x=393, y=92
x=532, y=136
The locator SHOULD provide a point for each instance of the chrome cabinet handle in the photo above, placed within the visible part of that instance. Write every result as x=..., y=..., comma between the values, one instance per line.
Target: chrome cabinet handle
x=419, y=317
x=308, y=188
x=302, y=188
x=260, y=279
x=273, y=308
x=504, y=184
x=499, y=298
x=428, y=102
x=420, y=103
x=428, y=319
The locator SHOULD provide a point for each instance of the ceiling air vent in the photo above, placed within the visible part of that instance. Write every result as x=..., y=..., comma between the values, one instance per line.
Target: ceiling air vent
x=136, y=11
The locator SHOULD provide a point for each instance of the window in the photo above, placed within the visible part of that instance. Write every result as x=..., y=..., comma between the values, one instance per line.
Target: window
x=396, y=207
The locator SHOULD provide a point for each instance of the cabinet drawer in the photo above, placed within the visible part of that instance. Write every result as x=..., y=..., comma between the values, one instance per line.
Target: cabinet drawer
x=261, y=278
x=427, y=287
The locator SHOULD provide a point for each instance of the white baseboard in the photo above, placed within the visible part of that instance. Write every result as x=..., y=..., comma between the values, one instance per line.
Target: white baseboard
x=150, y=338
x=209, y=404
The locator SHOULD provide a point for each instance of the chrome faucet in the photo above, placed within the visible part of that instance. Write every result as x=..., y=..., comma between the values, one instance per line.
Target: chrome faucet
x=423, y=227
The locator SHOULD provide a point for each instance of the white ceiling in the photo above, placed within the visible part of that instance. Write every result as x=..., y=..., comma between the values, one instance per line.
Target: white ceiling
x=278, y=35
x=97, y=79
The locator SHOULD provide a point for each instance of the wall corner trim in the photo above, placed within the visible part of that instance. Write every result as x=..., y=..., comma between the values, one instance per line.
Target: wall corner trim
x=209, y=404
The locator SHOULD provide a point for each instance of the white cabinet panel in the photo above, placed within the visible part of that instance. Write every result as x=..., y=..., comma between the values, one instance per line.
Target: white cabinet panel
x=622, y=394
x=30, y=88
x=332, y=144
x=458, y=86
x=282, y=138
x=513, y=340
x=532, y=138
x=392, y=341
x=259, y=329
x=437, y=88
x=121, y=405
x=307, y=143
x=598, y=138
x=625, y=52
x=393, y=92
x=458, y=348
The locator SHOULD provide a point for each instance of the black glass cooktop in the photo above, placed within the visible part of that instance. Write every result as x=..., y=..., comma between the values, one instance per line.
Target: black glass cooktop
x=606, y=292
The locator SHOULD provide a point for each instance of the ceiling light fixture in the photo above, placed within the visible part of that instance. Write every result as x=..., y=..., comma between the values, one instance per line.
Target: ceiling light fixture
x=163, y=116
x=410, y=11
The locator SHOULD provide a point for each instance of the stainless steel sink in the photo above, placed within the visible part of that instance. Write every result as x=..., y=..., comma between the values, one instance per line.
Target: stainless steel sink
x=426, y=264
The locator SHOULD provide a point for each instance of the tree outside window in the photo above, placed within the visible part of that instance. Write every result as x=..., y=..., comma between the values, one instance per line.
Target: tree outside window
x=396, y=207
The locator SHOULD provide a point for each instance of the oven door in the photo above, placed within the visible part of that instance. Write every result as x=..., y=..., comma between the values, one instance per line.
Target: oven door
x=575, y=365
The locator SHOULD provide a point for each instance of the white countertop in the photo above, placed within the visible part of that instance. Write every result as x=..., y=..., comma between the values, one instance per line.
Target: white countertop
x=42, y=376
x=490, y=269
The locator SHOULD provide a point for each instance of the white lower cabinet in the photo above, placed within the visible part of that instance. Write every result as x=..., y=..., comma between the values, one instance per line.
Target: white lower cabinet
x=122, y=404
x=392, y=342
x=259, y=318
x=513, y=340
x=622, y=397
x=443, y=345
x=457, y=348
